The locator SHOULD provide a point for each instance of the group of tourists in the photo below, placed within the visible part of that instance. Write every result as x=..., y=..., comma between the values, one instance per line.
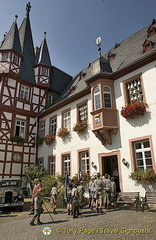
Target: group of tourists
x=102, y=192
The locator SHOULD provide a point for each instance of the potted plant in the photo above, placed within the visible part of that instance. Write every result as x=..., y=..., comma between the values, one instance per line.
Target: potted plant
x=80, y=127
x=49, y=139
x=18, y=140
x=39, y=141
x=63, y=132
x=133, y=109
x=147, y=176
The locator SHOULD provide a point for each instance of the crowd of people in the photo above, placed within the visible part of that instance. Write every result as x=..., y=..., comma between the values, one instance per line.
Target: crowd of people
x=102, y=193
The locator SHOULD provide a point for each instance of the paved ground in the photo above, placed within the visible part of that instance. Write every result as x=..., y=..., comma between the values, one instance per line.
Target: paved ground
x=117, y=224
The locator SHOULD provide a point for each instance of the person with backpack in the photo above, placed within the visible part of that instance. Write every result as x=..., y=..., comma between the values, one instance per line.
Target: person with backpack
x=99, y=193
x=107, y=191
x=75, y=202
x=54, y=192
x=69, y=198
x=81, y=191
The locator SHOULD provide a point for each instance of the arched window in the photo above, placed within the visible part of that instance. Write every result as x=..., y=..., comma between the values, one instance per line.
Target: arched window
x=107, y=97
x=97, y=104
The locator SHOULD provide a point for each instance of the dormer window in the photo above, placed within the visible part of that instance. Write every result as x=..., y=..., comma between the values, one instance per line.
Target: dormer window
x=148, y=45
x=15, y=59
x=44, y=72
x=5, y=57
x=110, y=56
x=151, y=31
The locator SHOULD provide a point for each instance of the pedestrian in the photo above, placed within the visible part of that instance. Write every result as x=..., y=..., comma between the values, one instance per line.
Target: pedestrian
x=113, y=191
x=81, y=191
x=75, y=202
x=38, y=209
x=54, y=192
x=99, y=193
x=92, y=190
x=36, y=187
x=107, y=191
x=69, y=198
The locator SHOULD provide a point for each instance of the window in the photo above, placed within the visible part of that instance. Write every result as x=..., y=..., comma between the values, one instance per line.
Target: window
x=24, y=92
x=143, y=155
x=83, y=112
x=53, y=125
x=20, y=128
x=41, y=162
x=52, y=165
x=84, y=161
x=107, y=97
x=134, y=90
x=66, y=120
x=4, y=57
x=42, y=130
x=50, y=98
x=97, y=104
x=66, y=164
x=44, y=72
x=15, y=59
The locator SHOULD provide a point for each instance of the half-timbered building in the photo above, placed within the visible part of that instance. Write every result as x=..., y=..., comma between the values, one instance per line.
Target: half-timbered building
x=27, y=86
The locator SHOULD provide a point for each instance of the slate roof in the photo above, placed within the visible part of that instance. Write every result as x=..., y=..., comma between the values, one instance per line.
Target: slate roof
x=128, y=52
x=25, y=34
x=12, y=40
x=43, y=54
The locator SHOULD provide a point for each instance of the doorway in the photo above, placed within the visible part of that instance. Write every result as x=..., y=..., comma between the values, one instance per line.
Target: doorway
x=110, y=166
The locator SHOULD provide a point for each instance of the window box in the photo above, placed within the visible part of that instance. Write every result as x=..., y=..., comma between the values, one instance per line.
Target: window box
x=18, y=140
x=80, y=127
x=49, y=139
x=133, y=109
x=147, y=176
x=39, y=141
x=63, y=132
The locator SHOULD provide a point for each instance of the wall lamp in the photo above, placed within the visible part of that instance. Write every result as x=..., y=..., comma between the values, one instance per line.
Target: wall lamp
x=124, y=162
x=93, y=165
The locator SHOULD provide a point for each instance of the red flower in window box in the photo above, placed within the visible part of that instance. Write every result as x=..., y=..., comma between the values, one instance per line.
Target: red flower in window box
x=49, y=139
x=62, y=132
x=133, y=109
x=147, y=176
x=80, y=127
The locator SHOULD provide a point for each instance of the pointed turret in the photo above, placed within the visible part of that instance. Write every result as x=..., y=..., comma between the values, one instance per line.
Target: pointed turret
x=43, y=64
x=11, y=53
x=26, y=40
x=11, y=41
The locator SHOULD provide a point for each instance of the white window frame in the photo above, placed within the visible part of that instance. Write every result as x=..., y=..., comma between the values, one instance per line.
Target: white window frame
x=42, y=130
x=83, y=112
x=52, y=165
x=24, y=92
x=66, y=164
x=53, y=125
x=20, y=128
x=97, y=102
x=15, y=59
x=84, y=161
x=143, y=150
x=5, y=57
x=44, y=71
x=107, y=96
x=66, y=120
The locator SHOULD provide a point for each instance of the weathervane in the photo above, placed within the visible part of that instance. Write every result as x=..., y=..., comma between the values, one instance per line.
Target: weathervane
x=28, y=7
x=98, y=42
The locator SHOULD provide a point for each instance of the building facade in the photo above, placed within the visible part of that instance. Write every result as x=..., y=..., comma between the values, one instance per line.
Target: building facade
x=26, y=79
x=41, y=104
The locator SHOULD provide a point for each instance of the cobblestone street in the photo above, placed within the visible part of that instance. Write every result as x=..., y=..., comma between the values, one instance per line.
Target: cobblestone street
x=112, y=224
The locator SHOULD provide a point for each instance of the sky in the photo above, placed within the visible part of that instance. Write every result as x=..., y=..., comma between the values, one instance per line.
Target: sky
x=73, y=26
